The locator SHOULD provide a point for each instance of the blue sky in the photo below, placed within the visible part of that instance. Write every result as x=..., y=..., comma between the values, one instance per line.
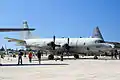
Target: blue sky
x=69, y=18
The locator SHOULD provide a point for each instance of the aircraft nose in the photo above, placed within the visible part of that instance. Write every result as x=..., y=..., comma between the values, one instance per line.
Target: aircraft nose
x=107, y=45
x=111, y=45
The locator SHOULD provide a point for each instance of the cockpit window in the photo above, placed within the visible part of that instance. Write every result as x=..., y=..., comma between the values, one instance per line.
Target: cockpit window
x=99, y=41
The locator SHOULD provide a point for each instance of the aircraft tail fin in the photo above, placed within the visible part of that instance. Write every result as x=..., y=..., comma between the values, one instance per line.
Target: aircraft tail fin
x=26, y=34
x=97, y=33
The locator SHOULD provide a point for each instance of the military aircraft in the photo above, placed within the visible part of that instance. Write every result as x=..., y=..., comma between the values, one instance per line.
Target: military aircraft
x=67, y=45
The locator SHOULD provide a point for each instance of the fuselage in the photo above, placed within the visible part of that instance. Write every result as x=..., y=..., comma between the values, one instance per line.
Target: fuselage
x=77, y=44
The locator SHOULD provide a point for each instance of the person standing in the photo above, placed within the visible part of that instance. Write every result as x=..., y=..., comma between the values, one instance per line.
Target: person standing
x=111, y=54
x=61, y=57
x=119, y=54
x=0, y=60
x=115, y=52
x=20, y=54
x=25, y=53
x=39, y=56
x=30, y=57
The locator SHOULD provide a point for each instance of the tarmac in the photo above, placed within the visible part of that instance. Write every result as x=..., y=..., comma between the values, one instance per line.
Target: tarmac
x=81, y=69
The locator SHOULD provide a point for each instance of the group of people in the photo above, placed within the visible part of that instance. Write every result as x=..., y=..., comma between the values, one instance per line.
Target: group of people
x=114, y=53
x=30, y=56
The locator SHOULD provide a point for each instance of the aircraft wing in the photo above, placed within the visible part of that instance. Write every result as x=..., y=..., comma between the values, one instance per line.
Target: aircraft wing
x=15, y=29
x=14, y=40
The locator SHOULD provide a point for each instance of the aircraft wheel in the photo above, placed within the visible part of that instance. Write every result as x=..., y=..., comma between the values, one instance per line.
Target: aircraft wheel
x=51, y=57
x=76, y=56
x=95, y=57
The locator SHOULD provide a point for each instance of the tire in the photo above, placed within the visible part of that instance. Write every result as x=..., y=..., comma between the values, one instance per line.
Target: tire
x=76, y=56
x=95, y=57
x=50, y=57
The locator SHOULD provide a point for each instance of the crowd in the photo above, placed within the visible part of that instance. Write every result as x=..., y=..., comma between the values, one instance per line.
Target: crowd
x=30, y=56
x=21, y=54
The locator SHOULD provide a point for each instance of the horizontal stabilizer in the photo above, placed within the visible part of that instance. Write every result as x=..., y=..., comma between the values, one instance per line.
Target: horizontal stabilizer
x=14, y=40
x=15, y=29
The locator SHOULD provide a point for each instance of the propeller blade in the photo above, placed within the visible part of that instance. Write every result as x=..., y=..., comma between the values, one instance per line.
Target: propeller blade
x=54, y=39
x=68, y=41
x=53, y=42
x=68, y=44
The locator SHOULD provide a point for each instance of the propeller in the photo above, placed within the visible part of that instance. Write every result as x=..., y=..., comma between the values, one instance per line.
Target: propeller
x=66, y=46
x=52, y=44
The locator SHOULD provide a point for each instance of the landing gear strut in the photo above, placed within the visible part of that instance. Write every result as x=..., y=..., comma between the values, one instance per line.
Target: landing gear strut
x=51, y=57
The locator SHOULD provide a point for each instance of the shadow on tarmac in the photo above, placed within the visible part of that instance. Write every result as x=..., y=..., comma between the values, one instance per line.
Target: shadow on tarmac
x=63, y=59
x=106, y=58
x=29, y=64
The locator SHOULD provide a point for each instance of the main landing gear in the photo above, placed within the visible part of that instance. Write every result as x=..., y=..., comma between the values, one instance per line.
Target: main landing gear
x=95, y=57
x=51, y=57
x=76, y=56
